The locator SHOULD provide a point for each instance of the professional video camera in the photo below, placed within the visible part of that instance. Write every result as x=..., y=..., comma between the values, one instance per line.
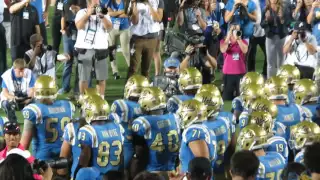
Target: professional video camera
x=41, y=166
x=168, y=83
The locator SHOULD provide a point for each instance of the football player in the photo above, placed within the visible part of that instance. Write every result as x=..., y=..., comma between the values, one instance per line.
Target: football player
x=276, y=89
x=307, y=94
x=70, y=146
x=128, y=109
x=303, y=134
x=156, y=135
x=291, y=74
x=237, y=102
x=197, y=139
x=190, y=80
x=220, y=127
x=44, y=121
x=274, y=143
x=254, y=138
x=101, y=139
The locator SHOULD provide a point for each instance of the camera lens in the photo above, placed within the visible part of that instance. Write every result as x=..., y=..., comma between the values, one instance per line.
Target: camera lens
x=239, y=33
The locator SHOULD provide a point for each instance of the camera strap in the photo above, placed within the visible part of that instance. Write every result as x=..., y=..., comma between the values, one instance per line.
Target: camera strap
x=91, y=32
x=44, y=69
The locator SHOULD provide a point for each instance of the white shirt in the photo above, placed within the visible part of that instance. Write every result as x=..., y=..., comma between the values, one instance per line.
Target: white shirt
x=101, y=36
x=299, y=54
x=146, y=24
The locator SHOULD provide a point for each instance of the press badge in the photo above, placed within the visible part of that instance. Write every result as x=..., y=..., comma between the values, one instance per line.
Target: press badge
x=235, y=56
x=90, y=36
x=116, y=25
x=60, y=6
x=25, y=15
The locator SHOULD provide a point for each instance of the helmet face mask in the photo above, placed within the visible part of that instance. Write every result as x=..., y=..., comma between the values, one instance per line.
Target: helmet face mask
x=190, y=112
x=152, y=99
x=305, y=91
x=252, y=137
x=190, y=79
x=303, y=134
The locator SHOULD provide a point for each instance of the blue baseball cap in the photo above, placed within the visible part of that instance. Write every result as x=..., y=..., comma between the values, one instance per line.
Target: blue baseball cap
x=88, y=174
x=171, y=62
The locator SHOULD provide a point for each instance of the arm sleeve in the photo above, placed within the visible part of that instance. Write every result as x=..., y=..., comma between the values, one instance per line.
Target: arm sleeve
x=30, y=114
x=3, y=85
x=141, y=127
x=194, y=134
x=66, y=136
x=237, y=105
x=172, y=104
x=79, y=15
x=84, y=137
x=243, y=120
x=252, y=7
x=120, y=108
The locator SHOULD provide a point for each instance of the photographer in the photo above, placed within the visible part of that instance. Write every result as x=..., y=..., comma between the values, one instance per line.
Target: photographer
x=273, y=22
x=243, y=11
x=69, y=36
x=17, y=86
x=145, y=16
x=198, y=56
x=39, y=59
x=234, y=49
x=191, y=16
x=168, y=82
x=92, y=46
x=300, y=50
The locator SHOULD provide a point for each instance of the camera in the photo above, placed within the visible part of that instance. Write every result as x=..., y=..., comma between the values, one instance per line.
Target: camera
x=168, y=83
x=39, y=165
x=302, y=35
x=99, y=9
x=237, y=33
x=242, y=11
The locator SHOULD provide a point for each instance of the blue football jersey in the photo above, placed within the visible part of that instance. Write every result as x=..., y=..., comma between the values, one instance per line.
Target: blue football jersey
x=161, y=134
x=271, y=166
x=237, y=104
x=220, y=127
x=196, y=132
x=243, y=119
x=299, y=157
x=230, y=118
x=278, y=144
x=127, y=112
x=174, y=101
x=289, y=115
x=3, y=120
x=291, y=99
x=49, y=122
x=106, y=141
x=70, y=136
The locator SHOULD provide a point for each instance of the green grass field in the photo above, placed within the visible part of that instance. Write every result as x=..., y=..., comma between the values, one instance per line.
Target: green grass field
x=114, y=88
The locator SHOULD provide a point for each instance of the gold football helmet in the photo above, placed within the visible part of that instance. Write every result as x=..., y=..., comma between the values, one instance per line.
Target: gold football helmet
x=263, y=104
x=305, y=90
x=152, y=98
x=251, y=77
x=251, y=92
x=303, y=133
x=87, y=93
x=96, y=109
x=262, y=119
x=45, y=87
x=289, y=72
x=213, y=103
x=276, y=88
x=190, y=112
x=190, y=79
x=252, y=137
x=134, y=86
x=213, y=89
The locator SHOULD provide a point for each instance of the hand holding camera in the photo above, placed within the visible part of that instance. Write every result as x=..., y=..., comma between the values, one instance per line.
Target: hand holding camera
x=190, y=50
